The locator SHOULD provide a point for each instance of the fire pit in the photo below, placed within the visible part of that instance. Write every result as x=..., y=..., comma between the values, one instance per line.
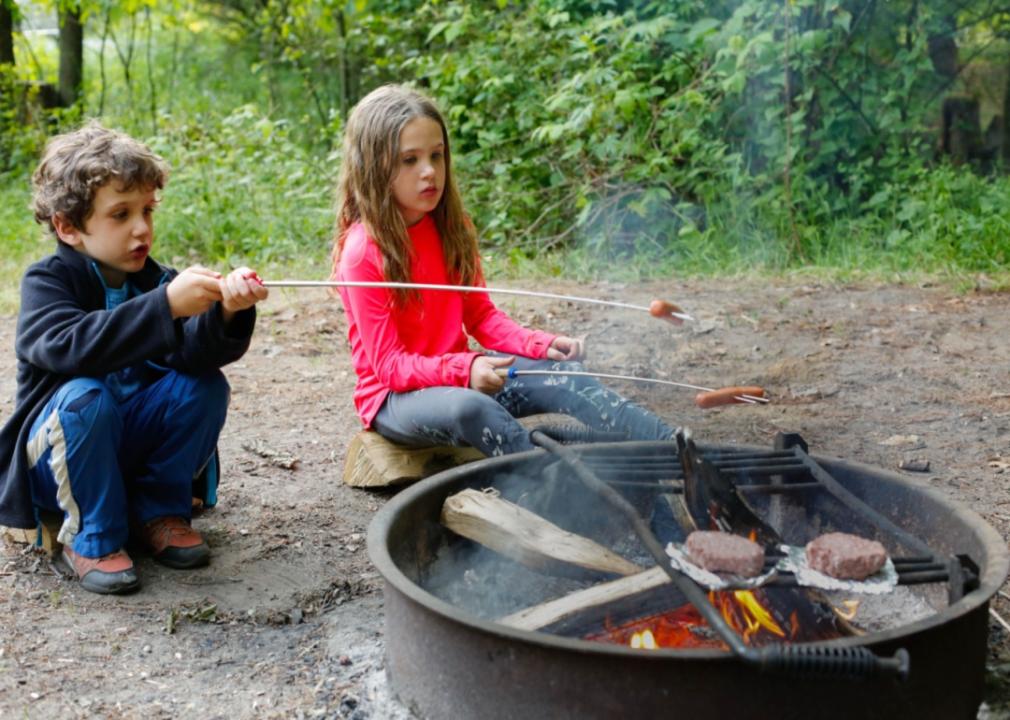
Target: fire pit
x=456, y=650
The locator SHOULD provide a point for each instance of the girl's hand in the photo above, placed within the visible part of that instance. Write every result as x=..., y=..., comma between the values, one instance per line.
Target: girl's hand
x=566, y=348
x=241, y=290
x=483, y=377
x=193, y=291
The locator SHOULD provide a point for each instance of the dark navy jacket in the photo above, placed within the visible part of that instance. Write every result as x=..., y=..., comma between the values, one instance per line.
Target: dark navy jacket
x=64, y=331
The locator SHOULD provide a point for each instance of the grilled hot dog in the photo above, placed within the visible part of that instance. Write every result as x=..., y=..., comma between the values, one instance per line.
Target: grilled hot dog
x=726, y=396
x=661, y=309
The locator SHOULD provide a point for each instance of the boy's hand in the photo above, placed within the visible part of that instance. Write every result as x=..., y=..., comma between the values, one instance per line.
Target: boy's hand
x=193, y=291
x=241, y=290
x=483, y=376
x=566, y=348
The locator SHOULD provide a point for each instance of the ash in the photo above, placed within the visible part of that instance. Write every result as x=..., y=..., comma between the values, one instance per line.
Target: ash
x=878, y=613
x=489, y=585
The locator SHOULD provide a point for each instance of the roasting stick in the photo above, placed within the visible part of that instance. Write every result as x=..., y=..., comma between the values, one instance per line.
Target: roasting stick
x=658, y=308
x=513, y=372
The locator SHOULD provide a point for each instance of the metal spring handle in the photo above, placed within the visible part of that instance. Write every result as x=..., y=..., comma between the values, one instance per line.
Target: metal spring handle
x=820, y=661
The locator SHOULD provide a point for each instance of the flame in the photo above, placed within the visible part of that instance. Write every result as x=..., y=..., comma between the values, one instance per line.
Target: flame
x=747, y=615
x=851, y=608
x=685, y=627
x=794, y=625
x=644, y=640
x=753, y=535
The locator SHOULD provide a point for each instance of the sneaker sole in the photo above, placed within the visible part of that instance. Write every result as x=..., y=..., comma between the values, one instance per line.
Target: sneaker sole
x=120, y=583
x=184, y=558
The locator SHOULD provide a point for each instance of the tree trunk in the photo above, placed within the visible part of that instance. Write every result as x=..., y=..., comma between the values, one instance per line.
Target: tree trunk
x=6, y=34
x=71, y=55
x=962, y=129
x=1005, y=139
x=943, y=48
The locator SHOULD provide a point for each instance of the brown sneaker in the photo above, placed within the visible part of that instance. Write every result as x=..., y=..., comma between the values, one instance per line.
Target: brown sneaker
x=111, y=574
x=175, y=543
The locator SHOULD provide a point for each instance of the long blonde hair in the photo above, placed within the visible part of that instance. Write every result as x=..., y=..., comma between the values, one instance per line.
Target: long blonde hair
x=364, y=193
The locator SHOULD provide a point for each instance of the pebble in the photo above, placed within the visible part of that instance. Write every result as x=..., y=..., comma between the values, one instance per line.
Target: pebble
x=914, y=465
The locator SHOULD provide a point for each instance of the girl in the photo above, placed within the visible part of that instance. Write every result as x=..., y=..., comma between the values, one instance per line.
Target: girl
x=400, y=219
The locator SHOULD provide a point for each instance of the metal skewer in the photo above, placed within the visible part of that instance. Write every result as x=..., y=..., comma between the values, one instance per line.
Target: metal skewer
x=512, y=372
x=461, y=288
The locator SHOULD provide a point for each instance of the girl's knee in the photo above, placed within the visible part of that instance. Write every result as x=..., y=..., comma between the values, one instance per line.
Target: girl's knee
x=473, y=408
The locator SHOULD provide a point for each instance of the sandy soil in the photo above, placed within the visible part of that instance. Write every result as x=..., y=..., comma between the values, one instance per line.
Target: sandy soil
x=287, y=621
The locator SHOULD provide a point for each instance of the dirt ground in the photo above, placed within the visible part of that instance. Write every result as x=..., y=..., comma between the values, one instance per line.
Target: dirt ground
x=287, y=621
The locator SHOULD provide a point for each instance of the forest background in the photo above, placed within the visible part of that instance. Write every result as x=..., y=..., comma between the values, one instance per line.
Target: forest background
x=593, y=138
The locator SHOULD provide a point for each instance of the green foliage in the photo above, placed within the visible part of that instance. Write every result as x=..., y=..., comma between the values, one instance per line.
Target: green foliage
x=242, y=192
x=21, y=240
x=617, y=137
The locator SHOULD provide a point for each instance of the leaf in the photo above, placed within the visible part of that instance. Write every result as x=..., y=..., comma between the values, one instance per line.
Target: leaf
x=436, y=30
x=702, y=27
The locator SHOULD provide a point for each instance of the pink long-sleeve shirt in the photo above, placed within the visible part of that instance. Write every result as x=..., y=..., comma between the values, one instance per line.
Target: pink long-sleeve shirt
x=398, y=349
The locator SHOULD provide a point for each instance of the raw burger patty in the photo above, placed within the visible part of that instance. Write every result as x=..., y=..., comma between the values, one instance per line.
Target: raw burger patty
x=724, y=552
x=844, y=556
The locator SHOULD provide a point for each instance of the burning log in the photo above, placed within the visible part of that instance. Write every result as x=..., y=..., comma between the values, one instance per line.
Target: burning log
x=526, y=537
x=552, y=611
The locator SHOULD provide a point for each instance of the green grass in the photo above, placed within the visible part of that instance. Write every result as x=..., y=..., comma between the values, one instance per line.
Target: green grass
x=21, y=240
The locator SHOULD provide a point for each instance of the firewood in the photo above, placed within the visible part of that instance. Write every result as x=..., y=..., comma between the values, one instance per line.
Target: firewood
x=552, y=611
x=526, y=537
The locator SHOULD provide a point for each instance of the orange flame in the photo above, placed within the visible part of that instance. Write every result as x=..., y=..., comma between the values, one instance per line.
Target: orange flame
x=682, y=628
x=747, y=615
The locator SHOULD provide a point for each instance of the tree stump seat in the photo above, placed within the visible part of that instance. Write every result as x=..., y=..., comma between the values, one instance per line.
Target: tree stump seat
x=43, y=536
x=372, y=461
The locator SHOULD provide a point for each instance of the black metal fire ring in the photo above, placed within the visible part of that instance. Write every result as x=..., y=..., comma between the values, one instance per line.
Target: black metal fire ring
x=424, y=630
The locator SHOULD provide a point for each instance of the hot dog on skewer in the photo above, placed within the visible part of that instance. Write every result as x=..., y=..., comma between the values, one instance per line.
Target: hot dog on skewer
x=666, y=311
x=728, y=396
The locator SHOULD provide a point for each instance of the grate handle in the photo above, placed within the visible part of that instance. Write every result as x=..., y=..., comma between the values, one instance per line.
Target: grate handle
x=820, y=661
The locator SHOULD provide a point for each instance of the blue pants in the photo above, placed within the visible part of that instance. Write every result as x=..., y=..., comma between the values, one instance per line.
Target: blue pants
x=460, y=416
x=102, y=463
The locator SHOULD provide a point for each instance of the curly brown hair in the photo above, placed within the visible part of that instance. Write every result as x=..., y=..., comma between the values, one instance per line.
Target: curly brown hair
x=78, y=163
x=364, y=192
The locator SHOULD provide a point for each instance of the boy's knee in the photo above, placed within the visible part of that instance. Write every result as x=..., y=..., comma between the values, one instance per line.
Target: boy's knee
x=214, y=386
x=209, y=390
x=90, y=399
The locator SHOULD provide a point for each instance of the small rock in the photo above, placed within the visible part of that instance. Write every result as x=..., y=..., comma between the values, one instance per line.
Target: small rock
x=345, y=660
x=146, y=649
x=915, y=465
x=901, y=440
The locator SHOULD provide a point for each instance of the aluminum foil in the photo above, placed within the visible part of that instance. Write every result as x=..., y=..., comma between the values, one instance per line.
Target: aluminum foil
x=713, y=581
x=795, y=561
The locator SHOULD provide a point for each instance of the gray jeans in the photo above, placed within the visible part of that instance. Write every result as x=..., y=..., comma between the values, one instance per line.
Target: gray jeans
x=461, y=416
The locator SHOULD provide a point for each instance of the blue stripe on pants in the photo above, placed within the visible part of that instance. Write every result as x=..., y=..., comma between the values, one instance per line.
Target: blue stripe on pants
x=104, y=463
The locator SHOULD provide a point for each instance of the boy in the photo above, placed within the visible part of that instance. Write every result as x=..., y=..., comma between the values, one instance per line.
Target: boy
x=120, y=399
